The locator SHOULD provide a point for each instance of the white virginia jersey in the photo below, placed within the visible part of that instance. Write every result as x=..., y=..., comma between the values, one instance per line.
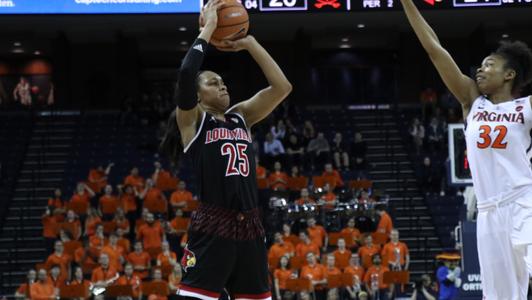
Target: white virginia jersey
x=498, y=138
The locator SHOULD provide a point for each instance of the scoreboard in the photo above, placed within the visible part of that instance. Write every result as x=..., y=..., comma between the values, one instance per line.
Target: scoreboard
x=370, y=5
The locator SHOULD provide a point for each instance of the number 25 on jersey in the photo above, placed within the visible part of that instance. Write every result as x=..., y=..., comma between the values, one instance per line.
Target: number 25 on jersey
x=485, y=138
x=238, y=163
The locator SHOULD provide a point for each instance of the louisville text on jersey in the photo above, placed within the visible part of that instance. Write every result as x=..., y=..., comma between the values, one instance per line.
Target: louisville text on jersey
x=216, y=134
x=485, y=116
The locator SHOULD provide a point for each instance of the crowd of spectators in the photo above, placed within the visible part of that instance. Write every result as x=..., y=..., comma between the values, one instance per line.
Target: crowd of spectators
x=133, y=233
x=429, y=142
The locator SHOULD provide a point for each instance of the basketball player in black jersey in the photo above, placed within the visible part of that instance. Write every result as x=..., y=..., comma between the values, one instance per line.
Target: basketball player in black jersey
x=226, y=248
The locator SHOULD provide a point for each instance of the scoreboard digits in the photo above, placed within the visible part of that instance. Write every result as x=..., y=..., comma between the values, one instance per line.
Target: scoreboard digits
x=282, y=5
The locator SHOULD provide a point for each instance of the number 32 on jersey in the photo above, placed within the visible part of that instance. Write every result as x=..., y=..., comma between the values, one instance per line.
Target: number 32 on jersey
x=238, y=162
x=485, y=138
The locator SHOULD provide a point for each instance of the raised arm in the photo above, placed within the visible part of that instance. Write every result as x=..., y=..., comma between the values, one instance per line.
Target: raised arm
x=264, y=102
x=187, y=112
x=462, y=87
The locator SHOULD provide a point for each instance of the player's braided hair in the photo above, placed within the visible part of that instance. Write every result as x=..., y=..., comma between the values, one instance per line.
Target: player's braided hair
x=518, y=57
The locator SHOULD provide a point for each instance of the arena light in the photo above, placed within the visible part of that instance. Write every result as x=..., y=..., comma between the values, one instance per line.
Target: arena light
x=505, y=35
x=37, y=52
x=345, y=46
x=18, y=50
x=184, y=43
x=360, y=26
x=345, y=40
x=182, y=28
x=17, y=44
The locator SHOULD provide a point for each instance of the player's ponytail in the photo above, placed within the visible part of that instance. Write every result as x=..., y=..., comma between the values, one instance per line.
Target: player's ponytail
x=171, y=144
x=518, y=57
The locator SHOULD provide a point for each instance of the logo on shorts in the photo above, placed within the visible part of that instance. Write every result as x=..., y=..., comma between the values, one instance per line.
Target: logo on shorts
x=188, y=260
x=519, y=108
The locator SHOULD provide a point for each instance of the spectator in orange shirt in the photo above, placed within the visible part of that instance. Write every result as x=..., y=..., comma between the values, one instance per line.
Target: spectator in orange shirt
x=342, y=255
x=166, y=257
x=280, y=276
x=260, y=170
x=280, y=248
x=83, y=195
x=128, y=201
x=98, y=240
x=353, y=232
x=317, y=234
x=135, y=180
x=288, y=236
x=42, y=289
x=56, y=204
x=158, y=277
x=23, y=291
x=305, y=199
x=115, y=252
x=56, y=278
x=84, y=256
x=154, y=199
x=374, y=279
x=163, y=179
x=178, y=225
x=331, y=266
x=121, y=221
x=181, y=198
x=395, y=254
x=79, y=280
x=151, y=234
x=175, y=278
x=330, y=172
x=72, y=225
x=108, y=204
x=385, y=225
x=306, y=245
x=93, y=219
x=278, y=180
x=295, y=175
x=129, y=278
x=105, y=274
x=354, y=268
x=97, y=178
x=328, y=198
x=140, y=260
x=59, y=258
x=124, y=242
x=367, y=251
x=317, y=273
x=50, y=230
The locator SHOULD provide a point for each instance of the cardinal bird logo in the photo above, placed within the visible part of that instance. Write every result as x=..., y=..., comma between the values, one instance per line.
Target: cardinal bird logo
x=188, y=260
x=321, y=3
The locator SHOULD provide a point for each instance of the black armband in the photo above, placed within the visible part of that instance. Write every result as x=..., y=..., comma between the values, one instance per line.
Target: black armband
x=186, y=91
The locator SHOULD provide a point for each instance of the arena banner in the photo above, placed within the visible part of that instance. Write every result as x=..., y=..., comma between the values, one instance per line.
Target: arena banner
x=471, y=284
x=98, y=6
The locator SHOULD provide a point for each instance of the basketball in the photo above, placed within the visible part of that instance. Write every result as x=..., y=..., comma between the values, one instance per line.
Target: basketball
x=233, y=21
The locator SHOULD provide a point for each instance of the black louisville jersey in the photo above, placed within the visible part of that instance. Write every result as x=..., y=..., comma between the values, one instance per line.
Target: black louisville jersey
x=224, y=161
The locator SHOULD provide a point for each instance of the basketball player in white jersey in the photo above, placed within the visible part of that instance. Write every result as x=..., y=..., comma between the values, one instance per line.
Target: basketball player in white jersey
x=498, y=127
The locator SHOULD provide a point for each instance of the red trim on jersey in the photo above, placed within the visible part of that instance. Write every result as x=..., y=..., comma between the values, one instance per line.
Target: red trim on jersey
x=199, y=291
x=253, y=296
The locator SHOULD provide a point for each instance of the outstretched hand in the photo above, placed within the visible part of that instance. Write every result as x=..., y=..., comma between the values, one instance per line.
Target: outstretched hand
x=235, y=46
